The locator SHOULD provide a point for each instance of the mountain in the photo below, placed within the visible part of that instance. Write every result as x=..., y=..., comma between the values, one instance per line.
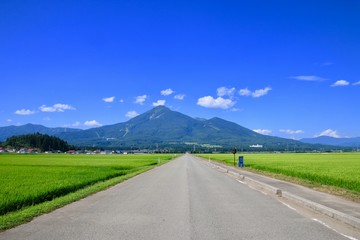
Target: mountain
x=162, y=127
x=345, y=142
x=6, y=132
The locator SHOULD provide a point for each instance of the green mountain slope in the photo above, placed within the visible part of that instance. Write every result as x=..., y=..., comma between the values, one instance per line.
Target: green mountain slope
x=162, y=127
x=6, y=132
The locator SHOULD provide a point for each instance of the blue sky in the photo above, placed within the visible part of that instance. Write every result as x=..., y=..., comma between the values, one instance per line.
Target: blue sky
x=283, y=68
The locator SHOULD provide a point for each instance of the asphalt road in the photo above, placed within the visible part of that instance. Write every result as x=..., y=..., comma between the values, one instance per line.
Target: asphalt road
x=184, y=199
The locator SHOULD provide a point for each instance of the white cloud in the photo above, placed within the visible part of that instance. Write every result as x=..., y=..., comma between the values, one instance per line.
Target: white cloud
x=64, y=107
x=167, y=92
x=245, y=92
x=329, y=133
x=59, y=107
x=309, y=78
x=44, y=108
x=340, y=83
x=263, y=131
x=261, y=92
x=179, y=96
x=75, y=124
x=24, y=112
x=92, y=123
x=224, y=91
x=9, y=120
x=210, y=102
x=121, y=101
x=109, y=99
x=356, y=83
x=289, y=131
x=159, y=103
x=131, y=114
x=255, y=94
x=141, y=99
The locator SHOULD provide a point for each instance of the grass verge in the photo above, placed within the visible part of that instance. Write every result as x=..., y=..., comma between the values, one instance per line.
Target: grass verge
x=24, y=215
x=341, y=192
x=334, y=173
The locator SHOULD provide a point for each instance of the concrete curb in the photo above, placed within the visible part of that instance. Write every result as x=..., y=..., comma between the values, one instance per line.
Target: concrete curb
x=262, y=186
x=342, y=217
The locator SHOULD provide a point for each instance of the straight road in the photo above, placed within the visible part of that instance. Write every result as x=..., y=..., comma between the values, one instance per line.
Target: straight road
x=184, y=199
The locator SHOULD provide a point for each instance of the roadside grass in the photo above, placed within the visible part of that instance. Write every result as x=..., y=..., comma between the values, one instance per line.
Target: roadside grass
x=336, y=173
x=31, y=185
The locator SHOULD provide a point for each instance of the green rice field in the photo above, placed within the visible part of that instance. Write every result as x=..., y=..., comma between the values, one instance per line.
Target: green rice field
x=340, y=170
x=36, y=180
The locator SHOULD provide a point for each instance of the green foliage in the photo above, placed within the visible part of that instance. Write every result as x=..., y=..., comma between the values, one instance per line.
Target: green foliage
x=40, y=141
x=340, y=170
x=27, y=180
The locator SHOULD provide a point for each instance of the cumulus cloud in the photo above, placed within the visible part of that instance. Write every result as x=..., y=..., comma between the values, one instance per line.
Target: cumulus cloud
x=289, y=131
x=179, y=96
x=245, y=92
x=210, y=102
x=224, y=91
x=92, y=123
x=24, y=112
x=59, y=107
x=329, y=133
x=356, y=83
x=109, y=99
x=256, y=93
x=263, y=131
x=159, y=103
x=309, y=78
x=260, y=92
x=141, y=99
x=131, y=114
x=167, y=92
x=340, y=83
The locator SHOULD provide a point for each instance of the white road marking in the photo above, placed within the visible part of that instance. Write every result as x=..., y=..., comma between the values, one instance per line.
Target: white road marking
x=324, y=224
x=240, y=181
x=289, y=206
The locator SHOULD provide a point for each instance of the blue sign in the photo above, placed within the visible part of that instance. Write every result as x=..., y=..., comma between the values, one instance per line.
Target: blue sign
x=241, y=162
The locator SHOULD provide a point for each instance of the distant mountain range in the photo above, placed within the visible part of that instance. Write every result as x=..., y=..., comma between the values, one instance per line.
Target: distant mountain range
x=162, y=127
x=10, y=131
x=344, y=142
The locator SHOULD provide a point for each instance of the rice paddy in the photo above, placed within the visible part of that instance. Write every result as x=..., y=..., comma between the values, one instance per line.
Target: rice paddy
x=27, y=181
x=340, y=170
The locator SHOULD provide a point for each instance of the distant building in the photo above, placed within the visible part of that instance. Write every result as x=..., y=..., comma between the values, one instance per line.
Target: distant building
x=256, y=146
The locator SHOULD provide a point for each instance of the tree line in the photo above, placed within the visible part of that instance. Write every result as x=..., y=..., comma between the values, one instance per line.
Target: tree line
x=40, y=141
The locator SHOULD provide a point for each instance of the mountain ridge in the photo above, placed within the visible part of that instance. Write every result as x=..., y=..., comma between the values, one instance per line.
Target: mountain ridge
x=29, y=128
x=344, y=142
x=163, y=127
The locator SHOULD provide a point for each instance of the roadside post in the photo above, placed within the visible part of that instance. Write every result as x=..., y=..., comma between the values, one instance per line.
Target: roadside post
x=234, y=152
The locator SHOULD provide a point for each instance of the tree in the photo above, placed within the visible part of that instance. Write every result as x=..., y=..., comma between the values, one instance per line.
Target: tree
x=41, y=141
